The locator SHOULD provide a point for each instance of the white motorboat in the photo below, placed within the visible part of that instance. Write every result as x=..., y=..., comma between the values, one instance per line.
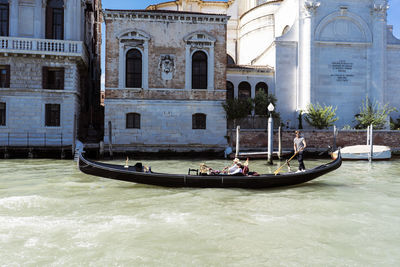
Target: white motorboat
x=361, y=152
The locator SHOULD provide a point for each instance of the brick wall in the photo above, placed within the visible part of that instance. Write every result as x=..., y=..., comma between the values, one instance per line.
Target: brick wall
x=318, y=139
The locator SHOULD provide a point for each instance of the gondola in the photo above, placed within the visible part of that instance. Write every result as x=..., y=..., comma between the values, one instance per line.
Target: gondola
x=132, y=174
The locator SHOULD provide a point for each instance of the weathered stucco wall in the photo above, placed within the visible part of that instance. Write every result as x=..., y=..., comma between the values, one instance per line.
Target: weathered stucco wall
x=167, y=33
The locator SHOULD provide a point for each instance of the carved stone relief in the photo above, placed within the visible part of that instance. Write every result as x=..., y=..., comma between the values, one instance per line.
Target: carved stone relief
x=167, y=66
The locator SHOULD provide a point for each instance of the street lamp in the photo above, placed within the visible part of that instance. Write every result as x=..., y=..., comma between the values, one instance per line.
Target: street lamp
x=270, y=133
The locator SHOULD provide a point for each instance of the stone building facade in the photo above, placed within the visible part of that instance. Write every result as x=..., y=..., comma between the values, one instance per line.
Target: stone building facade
x=165, y=80
x=49, y=71
x=333, y=52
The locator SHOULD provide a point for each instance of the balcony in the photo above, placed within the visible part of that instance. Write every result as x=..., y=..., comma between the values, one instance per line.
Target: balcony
x=44, y=47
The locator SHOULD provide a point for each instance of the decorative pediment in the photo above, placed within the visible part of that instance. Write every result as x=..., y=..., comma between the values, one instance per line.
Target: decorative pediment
x=199, y=37
x=134, y=35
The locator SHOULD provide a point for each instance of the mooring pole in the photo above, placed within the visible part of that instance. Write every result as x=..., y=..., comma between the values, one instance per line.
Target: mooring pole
x=270, y=134
x=335, y=132
x=280, y=142
x=371, y=153
x=110, y=139
x=237, y=140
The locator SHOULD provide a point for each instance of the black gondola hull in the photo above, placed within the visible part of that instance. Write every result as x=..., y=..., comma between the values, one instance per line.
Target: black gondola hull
x=118, y=172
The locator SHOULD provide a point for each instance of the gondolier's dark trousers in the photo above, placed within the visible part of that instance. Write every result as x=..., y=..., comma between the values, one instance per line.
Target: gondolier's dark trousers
x=300, y=159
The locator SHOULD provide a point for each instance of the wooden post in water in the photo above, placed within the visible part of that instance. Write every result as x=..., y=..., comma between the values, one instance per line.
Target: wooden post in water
x=280, y=142
x=237, y=140
x=110, y=139
x=74, y=137
x=335, y=132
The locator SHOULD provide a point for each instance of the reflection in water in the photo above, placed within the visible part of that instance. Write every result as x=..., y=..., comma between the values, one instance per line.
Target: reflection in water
x=51, y=214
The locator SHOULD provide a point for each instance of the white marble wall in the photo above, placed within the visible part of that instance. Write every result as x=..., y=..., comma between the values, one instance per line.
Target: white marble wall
x=166, y=122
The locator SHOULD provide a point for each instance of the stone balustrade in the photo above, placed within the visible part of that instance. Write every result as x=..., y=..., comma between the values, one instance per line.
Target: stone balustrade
x=44, y=47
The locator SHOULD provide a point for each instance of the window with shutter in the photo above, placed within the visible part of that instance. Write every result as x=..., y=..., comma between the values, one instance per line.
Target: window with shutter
x=133, y=69
x=52, y=115
x=199, y=121
x=5, y=76
x=199, y=70
x=4, y=18
x=2, y=114
x=133, y=121
x=55, y=19
x=53, y=78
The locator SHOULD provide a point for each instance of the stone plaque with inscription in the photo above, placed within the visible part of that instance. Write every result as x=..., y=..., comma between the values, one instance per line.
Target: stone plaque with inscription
x=342, y=71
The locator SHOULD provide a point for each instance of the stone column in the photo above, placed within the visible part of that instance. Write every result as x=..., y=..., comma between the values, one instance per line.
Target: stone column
x=121, y=69
x=13, y=18
x=210, y=82
x=188, y=68
x=378, y=75
x=306, y=40
x=145, y=83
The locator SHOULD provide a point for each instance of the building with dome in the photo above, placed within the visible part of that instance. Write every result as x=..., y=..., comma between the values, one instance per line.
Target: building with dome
x=332, y=52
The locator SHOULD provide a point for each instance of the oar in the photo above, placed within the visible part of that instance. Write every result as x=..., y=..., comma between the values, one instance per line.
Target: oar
x=279, y=169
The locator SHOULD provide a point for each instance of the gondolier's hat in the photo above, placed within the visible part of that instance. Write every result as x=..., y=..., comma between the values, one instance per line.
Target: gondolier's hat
x=236, y=160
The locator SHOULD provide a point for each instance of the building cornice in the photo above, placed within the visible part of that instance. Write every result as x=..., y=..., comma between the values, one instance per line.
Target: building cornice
x=165, y=16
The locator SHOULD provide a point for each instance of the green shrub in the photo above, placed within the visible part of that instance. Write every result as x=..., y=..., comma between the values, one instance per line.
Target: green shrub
x=373, y=113
x=395, y=125
x=320, y=117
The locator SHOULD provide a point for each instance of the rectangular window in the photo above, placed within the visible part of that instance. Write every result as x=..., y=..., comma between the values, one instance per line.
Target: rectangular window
x=133, y=121
x=199, y=121
x=4, y=18
x=4, y=76
x=53, y=78
x=54, y=23
x=2, y=114
x=52, y=115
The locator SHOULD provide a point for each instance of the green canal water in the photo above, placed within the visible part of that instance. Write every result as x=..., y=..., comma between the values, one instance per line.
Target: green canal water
x=53, y=215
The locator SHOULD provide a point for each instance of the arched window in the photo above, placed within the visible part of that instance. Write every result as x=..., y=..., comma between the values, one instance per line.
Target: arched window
x=132, y=121
x=244, y=90
x=230, y=60
x=4, y=17
x=262, y=86
x=261, y=100
x=199, y=121
x=199, y=70
x=230, y=90
x=133, y=69
x=55, y=19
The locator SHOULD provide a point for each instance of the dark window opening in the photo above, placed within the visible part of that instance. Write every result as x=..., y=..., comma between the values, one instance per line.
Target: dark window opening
x=53, y=78
x=2, y=114
x=262, y=86
x=55, y=19
x=199, y=121
x=199, y=70
x=133, y=121
x=133, y=69
x=4, y=18
x=230, y=93
x=244, y=91
x=5, y=76
x=52, y=115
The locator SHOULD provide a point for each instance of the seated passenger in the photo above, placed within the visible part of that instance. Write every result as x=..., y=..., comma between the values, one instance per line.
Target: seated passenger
x=237, y=170
x=232, y=168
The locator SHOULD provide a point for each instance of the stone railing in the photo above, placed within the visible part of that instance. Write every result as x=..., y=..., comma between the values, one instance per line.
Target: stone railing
x=21, y=45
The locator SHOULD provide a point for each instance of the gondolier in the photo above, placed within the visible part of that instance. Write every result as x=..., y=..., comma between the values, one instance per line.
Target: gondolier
x=299, y=144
